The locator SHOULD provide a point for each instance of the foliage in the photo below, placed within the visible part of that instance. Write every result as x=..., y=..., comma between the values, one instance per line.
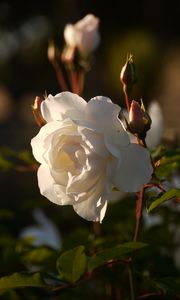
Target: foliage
x=93, y=258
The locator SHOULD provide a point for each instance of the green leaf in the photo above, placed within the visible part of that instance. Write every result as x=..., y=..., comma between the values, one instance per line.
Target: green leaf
x=169, y=162
x=169, y=285
x=26, y=156
x=172, y=193
x=5, y=164
x=10, y=159
x=117, y=252
x=19, y=280
x=38, y=256
x=72, y=264
x=158, y=152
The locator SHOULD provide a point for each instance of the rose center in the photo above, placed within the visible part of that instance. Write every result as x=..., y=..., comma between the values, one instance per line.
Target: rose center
x=71, y=158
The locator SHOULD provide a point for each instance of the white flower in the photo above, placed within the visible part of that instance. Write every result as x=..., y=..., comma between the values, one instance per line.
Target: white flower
x=84, y=151
x=154, y=135
x=45, y=233
x=84, y=34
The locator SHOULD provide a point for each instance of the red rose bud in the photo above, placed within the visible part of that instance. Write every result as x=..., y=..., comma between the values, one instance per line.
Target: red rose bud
x=139, y=120
x=36, y=109
x=128, y=75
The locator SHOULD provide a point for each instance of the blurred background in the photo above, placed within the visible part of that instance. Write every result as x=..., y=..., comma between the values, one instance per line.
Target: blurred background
x=148, y=29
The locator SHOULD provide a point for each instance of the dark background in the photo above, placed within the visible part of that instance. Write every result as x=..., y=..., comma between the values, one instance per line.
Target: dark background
x=149, y=29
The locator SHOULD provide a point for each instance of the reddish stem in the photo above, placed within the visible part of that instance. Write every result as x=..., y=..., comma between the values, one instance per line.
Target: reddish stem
x=145, y=296
x=126, y=98
x=74, y=82
x=81, y=81
x=60, y=77
x=159, y=186
x=138, y=213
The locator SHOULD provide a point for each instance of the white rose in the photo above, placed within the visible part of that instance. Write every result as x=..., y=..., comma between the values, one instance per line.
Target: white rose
x=84, y=151
x=45, y=233
x=84, y=34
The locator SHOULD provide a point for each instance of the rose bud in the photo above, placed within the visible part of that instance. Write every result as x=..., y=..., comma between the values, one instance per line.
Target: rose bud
x=36, y=109
x=139, y=120
x=83, y=35
x=128, y=75
x=51, y=52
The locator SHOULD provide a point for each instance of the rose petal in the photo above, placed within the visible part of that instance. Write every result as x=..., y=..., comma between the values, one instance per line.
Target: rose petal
x=89, y=22
x=92, y=176
x=94, y=140
x=92, y=209
x=134, y=170
x=61, y=106
x=41, y=141
x=48, y=187
x=87, y=34
x=47, y=137
x=70, y=35
x=104, y=114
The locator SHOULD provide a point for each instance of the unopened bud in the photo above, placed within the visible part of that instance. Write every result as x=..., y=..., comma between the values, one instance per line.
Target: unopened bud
x=139, y=120
x=51, y=53
x=128, y=75
x=36, y=109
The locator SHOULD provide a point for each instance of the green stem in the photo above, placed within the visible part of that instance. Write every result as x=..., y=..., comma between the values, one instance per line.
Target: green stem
x=136, y=233
x=131, y=282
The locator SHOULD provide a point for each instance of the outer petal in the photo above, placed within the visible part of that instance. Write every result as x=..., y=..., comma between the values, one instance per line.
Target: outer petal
x=62, y=105
x=70, y=35
x=87, y=34
x=104, y=113
x=94, y=205
x=134, y=169
x=48, y=188
x=41, y=141
x=93, y=209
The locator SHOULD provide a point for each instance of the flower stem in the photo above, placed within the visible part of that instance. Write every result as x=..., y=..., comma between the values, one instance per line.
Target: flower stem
x=138, y=213
x=131, y=282
x=74, y=81
x=126, y=97
x=60, y=77
x=81, y=81
x=97, y=229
